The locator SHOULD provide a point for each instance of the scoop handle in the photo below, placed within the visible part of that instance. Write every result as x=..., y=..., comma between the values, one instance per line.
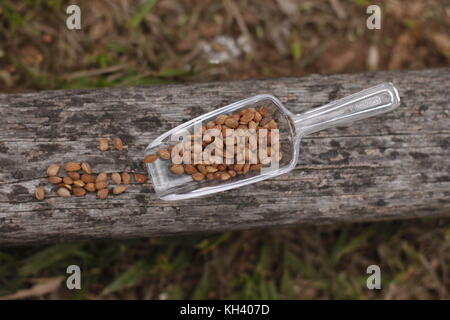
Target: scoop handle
x=364, y=104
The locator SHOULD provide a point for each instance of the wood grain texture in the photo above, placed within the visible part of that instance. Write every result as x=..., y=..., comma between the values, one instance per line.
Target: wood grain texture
x=389, y=167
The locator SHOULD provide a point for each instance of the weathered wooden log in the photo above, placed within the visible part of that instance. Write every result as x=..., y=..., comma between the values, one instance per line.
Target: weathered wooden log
x=394, y=166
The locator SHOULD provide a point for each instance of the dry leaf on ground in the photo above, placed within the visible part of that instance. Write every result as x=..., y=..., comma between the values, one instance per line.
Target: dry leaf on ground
x=42, y=287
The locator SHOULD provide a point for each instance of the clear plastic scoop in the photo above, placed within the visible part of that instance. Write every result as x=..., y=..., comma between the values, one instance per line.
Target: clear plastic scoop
x=367, y=103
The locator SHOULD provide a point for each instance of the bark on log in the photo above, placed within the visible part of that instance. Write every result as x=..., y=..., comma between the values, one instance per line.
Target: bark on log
x=394, y=166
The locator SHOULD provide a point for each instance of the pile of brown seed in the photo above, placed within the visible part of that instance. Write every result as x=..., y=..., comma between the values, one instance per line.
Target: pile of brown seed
x=249, y=118
x=103, y=144
x=79, y=179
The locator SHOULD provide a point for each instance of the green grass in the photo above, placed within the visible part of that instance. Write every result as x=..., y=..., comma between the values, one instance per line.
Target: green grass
x=293, y=263
x=139, y=16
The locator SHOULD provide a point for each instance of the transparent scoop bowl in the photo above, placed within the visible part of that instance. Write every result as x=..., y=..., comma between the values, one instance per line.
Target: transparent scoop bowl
x=169, y=186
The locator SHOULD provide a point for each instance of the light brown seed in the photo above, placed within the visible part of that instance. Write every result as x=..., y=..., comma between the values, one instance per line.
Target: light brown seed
x=221, y=119
x=101, y=185
x=87, y=178
x=118, y=144
x=224, y=176
x=74, y=175
x=236, y=116
x=101, y=177
x=55, y=180
x=102, y=194
x=247, y=117
x=63, y=192
x=103, y=144
x=86, y=168
x=198, y=176
x=177, y=169
x=90, y=187
x=67, y=180
x=202, y=169
x=232, y=173
x=232, y=123
x=263, y=111
x=252, y=125
x=189, y=169
x=246, y=168
x=150, y=158
x=116, y=178
x=257, y=117
x=79, y=183
x=125, y=178
x=53, y=169
x=67, y=186
x=119, y=189
x=243, y=111
x=272, y=124
x=210, y=176
x=39, y=193
x=211, y=169
x=222, y=167
x=72, y=166
x=164, y=154
x=78, y=192
x=140, y=178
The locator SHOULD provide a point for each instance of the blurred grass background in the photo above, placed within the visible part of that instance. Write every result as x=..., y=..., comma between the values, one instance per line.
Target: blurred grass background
x=124, y=43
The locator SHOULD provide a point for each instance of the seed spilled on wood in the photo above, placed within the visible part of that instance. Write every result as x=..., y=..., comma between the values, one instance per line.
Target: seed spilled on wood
x=54, y=180
x=116, y=178
x=86, y=168
x=63, y=192
x=90, y=187
x=101, y=184
x=103, y=193
x=72, y=166
x=73, y=175
x=101, y=177
x=79, y=183
x=118, y=144
x=125, y=178
x=67, y=180
x=103, y=144
x=39, y=193
x=87, y=178
x=53, y=169
x=79, y=192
